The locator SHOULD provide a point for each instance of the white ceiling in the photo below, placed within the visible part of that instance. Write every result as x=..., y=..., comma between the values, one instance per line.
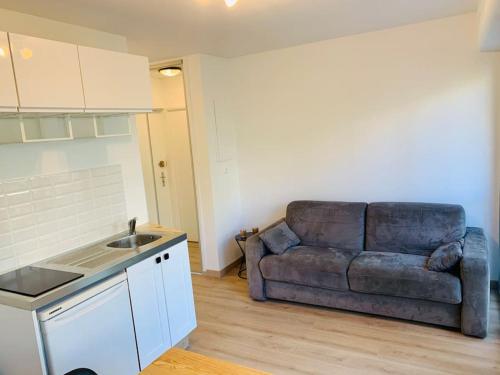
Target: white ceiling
x=164, y=29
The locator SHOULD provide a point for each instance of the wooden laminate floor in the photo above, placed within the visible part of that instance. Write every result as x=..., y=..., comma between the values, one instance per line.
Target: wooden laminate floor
x=195, y=256
x=285, y=338
x=181, y=362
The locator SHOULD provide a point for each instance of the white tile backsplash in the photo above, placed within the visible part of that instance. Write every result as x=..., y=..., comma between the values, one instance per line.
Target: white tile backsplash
x=39, y=182
x=43, y=216
x=15, y=199
x=4, y=214
x=4, y=227
x=20, y=210
x=15, y=186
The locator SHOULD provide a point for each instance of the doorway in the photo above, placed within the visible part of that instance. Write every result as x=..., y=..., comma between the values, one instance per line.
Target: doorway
x=167, y=160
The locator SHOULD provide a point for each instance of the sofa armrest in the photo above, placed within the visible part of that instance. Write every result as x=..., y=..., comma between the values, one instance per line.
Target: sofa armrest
x=475, y=275
x=256, y=250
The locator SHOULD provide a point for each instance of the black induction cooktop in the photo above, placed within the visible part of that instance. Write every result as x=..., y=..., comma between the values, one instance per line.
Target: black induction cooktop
x=33, y=281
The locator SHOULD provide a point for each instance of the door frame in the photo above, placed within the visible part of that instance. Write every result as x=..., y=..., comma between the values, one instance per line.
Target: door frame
x=202, y=235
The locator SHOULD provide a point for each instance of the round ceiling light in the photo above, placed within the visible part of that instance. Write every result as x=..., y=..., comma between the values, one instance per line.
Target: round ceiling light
x=170, y=71
x=231, y=3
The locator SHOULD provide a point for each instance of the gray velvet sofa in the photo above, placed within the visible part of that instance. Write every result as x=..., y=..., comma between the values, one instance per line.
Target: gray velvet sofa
x=372, y=258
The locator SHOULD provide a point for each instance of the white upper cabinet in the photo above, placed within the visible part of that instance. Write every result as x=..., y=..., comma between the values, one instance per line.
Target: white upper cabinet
x=8, y=94
x=47, y=75
x=114, y=81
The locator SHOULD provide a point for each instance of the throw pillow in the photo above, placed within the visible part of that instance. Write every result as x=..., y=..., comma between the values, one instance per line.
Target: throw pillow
x=279, y=238
x=445, y=257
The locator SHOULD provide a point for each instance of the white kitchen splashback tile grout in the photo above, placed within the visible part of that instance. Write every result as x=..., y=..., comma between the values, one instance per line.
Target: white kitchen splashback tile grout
x=43, y=216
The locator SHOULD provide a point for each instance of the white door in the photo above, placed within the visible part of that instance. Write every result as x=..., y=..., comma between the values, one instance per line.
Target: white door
x=173, y=171
x=159, y=136
x=47, y=74
x=8, y=93
x=115, y=81
x=150, y=313
x=181, y=172
x=178, y=291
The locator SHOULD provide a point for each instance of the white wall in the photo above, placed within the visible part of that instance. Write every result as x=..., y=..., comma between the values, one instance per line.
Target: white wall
x=406, y=114
x=21, y=23
x=208, y=93
x=496, y=197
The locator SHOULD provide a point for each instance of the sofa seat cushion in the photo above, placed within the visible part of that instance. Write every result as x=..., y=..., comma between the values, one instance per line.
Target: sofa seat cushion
x=402, y=275
x=311, y=266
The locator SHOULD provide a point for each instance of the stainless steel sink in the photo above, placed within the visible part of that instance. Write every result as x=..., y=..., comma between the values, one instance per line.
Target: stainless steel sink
x=98, y=255
x=92, y=257
x=134, y=241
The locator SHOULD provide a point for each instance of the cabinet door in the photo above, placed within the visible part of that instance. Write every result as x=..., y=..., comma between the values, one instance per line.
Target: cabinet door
x=149, y=310
x=8, y=93
x=114, y=81
x=178, y=291
x=47, y=74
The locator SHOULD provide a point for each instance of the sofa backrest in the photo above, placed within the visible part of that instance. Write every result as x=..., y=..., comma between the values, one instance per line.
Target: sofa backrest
x=328, y=224
x=413, y=228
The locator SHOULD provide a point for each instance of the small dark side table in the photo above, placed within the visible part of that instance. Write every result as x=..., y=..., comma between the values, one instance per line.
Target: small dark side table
x=241, y=241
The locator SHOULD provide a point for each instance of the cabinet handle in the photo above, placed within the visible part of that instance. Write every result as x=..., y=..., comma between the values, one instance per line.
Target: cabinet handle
x=158, y=260
x=166, y=256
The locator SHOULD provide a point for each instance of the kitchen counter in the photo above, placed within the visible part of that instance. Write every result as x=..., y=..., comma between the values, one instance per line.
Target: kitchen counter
x=94, y=274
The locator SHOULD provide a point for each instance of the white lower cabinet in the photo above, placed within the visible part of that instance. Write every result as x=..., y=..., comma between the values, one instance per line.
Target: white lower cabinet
x=161, y=295
x=149, y=310
x=178, y=291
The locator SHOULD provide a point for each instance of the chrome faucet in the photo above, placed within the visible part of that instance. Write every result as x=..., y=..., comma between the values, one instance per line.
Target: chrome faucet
x=131, y=226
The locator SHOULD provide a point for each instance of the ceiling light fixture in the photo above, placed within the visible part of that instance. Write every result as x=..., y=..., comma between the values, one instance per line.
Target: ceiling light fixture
x=230, y=3
x=170, y=71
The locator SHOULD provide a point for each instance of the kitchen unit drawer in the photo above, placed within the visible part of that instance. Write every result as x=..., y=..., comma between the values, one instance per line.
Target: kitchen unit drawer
x=47, y=75
x=161, y=292
x=114, y=81
x=8, y=93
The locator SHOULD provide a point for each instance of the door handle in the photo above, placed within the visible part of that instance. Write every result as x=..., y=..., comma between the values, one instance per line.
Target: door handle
x=158, y=260
x=166, y=256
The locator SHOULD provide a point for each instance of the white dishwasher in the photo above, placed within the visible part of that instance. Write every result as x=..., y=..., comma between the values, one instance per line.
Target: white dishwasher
x=92, y=330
